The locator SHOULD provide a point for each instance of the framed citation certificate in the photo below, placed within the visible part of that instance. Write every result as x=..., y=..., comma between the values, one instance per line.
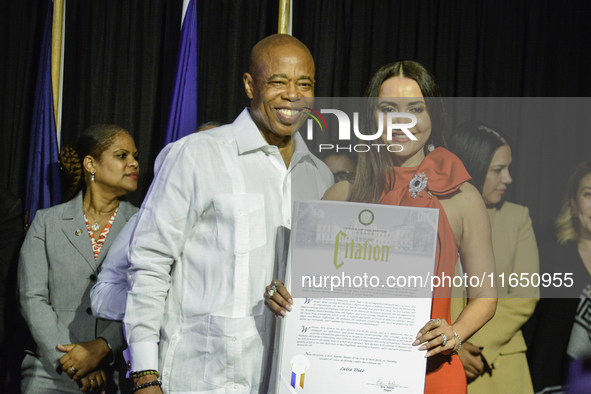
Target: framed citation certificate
x=360, y=275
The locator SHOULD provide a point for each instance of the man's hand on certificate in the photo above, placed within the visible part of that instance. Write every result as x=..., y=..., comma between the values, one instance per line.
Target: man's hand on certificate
x=437, y=336
x=278, y=298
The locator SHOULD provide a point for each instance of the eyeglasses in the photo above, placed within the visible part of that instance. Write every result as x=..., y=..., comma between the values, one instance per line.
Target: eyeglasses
x=344, y=176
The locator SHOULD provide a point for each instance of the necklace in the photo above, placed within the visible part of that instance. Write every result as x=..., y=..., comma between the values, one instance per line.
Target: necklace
x=96, y=224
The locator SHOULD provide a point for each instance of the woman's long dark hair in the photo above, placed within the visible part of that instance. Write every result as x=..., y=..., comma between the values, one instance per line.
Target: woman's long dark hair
x=371, y=178
x=476, y=144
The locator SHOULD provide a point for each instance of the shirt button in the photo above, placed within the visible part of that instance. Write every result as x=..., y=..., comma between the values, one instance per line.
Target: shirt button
x=288, y=221
x=165, y=374
x=233, y=339
x=174, y=337
x=235, y=387
x=240, y=213
x=223, y=142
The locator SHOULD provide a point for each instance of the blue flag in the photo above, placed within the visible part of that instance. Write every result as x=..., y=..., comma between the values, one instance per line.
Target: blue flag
x=43, y=183
x=182, y=118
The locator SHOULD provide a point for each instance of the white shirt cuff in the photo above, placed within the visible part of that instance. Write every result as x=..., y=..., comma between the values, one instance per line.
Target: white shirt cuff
x=144, y=356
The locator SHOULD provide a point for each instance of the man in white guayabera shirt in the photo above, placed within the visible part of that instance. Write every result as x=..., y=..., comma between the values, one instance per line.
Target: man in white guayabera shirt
x=204, y=247
x=108, y=296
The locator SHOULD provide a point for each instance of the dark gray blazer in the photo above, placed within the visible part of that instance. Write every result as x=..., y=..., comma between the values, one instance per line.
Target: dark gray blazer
x=56, y=271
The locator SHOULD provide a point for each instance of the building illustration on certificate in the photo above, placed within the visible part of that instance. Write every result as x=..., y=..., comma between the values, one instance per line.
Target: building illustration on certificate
x=410, y=234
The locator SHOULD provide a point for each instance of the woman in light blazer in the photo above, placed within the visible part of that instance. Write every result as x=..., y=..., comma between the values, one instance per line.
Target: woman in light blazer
x=73, y=351
x=494, y=359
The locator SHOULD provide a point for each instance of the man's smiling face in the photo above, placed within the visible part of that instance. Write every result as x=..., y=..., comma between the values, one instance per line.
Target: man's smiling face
x=280, y=85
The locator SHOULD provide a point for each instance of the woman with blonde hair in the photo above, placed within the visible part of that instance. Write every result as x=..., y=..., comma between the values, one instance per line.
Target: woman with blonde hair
x=560, y=330
x=572, y=223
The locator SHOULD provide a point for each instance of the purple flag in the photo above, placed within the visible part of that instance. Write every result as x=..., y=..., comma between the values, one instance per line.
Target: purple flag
x=43, y=183
x=182, y=118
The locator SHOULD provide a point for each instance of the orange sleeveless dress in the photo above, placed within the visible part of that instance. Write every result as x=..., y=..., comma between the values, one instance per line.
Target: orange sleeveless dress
x=445, y=173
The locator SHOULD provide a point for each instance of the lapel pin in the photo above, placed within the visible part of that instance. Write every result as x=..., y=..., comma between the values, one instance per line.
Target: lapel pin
x=78, y=232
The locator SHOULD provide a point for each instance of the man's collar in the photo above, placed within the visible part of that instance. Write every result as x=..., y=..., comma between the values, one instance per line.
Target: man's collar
x=300, y=147
x=248, y=136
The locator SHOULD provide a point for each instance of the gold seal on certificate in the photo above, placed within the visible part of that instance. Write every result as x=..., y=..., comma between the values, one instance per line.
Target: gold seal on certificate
x=366, y=217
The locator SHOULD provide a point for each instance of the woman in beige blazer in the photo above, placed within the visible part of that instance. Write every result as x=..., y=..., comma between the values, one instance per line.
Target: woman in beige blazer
x=494, y=359
x=73, y=351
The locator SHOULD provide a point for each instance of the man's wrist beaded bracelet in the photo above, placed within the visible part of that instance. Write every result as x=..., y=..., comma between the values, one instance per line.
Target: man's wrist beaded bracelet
x=139, y=374
x=146, y=385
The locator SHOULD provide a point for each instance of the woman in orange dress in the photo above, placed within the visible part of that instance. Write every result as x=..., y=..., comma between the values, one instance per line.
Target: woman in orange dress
x=424, y=174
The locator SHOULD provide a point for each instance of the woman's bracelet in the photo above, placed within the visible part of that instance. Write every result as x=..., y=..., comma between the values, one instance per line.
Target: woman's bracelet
x=139, y=374
x=146, y=385
x=456, y=351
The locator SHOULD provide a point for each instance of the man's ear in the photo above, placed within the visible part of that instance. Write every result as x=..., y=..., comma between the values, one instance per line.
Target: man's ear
x=248, y=85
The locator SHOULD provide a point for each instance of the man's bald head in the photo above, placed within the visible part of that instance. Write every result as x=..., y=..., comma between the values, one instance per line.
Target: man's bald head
x=279, y=84
x=261, y=52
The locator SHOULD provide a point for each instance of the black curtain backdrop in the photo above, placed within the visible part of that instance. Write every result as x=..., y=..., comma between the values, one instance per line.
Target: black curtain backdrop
x=227, y=32
x=119, y=67
x=21, y=30
x=120, y=58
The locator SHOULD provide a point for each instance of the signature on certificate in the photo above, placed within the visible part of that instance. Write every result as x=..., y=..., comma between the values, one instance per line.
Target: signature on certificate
x=387, y=386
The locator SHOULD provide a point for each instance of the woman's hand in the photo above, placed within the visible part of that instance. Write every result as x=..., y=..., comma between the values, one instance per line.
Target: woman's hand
x=94, y=382
x=471, y=360
x=83, y=357
x=437, y=336
x=278, y=298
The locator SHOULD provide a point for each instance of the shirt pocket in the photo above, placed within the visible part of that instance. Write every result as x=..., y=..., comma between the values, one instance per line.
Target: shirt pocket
x=240, y=224
x=235, y=351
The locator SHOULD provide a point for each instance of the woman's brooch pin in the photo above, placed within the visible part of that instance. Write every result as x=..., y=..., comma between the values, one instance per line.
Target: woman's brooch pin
x=417, y=184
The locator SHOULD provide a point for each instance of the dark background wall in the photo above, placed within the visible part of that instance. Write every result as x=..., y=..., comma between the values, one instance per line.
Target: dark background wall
x=120, y=59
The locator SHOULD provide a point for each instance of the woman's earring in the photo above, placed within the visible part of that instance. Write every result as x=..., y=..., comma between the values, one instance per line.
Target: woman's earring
x=92, y=177
x=430, y=147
